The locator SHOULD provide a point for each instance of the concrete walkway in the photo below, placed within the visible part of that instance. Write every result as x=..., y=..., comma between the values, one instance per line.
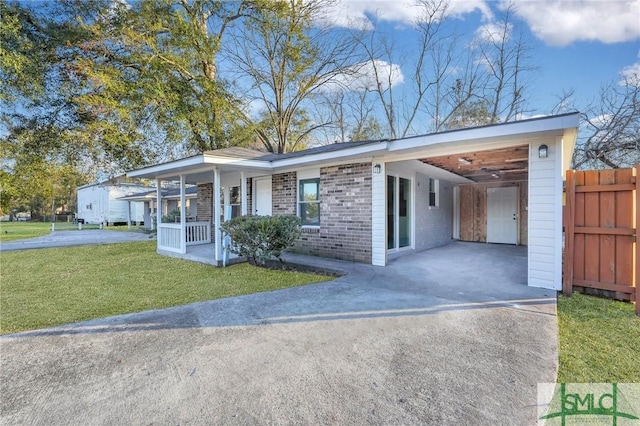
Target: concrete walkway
x=74, y=238
x=447, y=336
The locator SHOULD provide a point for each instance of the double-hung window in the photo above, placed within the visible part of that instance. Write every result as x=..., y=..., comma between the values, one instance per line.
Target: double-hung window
x=433, y=193
x=309, y=201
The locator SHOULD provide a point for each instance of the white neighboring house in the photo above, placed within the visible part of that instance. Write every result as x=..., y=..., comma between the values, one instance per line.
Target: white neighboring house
x=100, y=202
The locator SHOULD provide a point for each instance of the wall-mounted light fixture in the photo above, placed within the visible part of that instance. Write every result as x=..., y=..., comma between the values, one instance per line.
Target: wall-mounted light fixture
x=543, y=151
x=377, y=169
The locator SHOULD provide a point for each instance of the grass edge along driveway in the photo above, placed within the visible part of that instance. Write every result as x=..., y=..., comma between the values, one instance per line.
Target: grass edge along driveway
x=598, y=340
x=43, y=288
x=11, y=231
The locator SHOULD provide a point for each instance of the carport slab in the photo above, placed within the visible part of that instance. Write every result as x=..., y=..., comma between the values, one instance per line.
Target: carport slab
x=424, y=340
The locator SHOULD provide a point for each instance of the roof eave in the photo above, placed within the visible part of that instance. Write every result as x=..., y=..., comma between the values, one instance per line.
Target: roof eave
x=516, y=131
x=324, y=157
x=477, y=138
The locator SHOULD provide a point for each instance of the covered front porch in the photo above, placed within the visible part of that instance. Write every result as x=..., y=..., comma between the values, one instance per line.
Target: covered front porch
x=223, y=191
x=198, y=237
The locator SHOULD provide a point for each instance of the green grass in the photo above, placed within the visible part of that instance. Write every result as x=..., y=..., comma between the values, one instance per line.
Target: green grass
x=599, y=341
x=42, y=288
x=10, y=231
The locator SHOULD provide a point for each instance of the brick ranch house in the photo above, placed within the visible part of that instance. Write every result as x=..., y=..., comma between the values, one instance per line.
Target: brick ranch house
x=375, y=200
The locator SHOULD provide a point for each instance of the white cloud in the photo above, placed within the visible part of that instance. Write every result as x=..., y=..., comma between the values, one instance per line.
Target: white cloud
x=458, y=8
x=601, y=120
x=556, y=22
x=631, y=75
x=492, y=31
x=563, y=22
x=363, y=77
x=358, y=13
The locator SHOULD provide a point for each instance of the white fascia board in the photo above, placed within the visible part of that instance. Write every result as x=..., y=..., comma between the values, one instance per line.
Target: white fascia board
x=327, y=157
x=516, y=130
x=237, y=162
x=172, y=167
x=568, y=145
x=174, y=174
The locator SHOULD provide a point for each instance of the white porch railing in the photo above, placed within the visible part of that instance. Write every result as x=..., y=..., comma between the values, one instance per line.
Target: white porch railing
x=198, y=233
x=169, y=235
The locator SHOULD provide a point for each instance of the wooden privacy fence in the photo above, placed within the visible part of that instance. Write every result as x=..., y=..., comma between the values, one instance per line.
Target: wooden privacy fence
x=600, y=222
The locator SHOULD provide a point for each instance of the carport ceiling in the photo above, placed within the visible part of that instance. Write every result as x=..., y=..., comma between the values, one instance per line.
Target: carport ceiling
x=498, y=165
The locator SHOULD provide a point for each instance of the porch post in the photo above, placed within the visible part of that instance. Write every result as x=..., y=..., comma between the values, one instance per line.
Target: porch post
x=158, y=210
x=216, y=215
x=183, y=217
x=226, y=196
x=243, y=194
x=128, y=214
x=151, y=211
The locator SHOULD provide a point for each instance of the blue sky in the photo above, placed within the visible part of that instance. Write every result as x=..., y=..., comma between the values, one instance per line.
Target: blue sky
x=577, y=44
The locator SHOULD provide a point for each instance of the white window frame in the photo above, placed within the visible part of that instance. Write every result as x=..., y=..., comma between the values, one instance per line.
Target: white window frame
x=396, y=207
x=436, y=191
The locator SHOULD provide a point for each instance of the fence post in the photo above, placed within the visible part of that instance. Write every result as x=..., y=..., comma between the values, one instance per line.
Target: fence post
x=569, y=222
x=635, y=225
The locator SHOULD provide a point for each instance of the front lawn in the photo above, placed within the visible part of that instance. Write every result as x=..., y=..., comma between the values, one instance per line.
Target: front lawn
x=42, y=288
x=10, y=231
x=599, y=341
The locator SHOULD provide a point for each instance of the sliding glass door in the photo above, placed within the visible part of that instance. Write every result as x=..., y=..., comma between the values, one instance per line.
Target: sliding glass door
x=398, y=212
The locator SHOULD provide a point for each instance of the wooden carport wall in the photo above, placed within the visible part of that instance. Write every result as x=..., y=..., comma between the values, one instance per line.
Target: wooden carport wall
x=503, y=167
x=473, y=211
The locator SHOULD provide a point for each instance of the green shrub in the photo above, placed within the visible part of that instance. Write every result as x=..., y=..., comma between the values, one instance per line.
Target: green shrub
x=172, y=217
x=262, y=238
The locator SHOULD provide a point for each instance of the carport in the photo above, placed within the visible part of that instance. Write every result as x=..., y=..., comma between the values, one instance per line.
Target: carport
x=493, y=208
x=494, y=184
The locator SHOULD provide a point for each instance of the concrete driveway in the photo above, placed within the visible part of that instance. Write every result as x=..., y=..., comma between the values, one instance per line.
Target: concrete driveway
x=448, y=336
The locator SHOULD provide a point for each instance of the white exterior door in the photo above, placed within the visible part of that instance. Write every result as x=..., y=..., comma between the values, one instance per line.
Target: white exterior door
x=262, y=197
x=502, y=215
